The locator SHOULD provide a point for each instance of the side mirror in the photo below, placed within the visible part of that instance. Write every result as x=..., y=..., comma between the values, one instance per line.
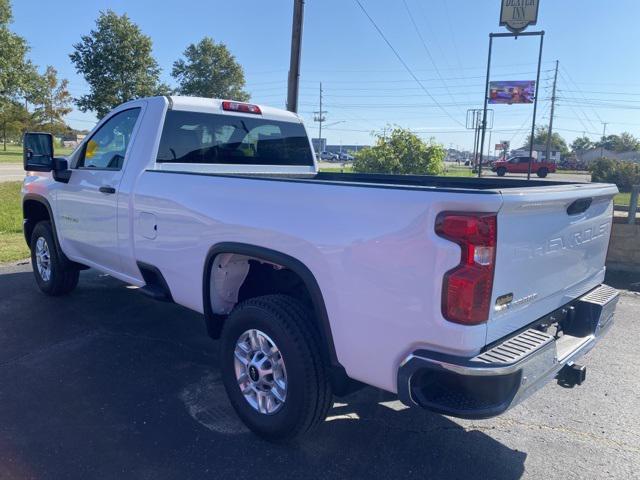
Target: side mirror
x=38, y=156
x=37, y=152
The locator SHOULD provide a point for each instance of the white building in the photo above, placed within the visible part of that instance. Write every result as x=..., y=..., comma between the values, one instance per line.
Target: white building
x=539, y=152
x=588, y=156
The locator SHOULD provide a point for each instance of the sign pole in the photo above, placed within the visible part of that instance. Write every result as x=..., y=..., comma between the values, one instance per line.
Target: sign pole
x=484, y=110
x=535, y=100
x=535, y=107
x=476, y=136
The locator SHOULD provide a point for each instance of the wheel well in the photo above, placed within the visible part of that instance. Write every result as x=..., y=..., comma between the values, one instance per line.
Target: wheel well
x=234, y=278
x=33, y=212
x=234, y=272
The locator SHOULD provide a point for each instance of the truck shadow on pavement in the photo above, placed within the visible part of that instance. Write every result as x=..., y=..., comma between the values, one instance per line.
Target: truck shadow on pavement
x=105, y=383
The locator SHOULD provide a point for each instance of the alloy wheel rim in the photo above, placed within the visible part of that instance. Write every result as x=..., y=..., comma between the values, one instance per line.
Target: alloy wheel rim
x=43, y=259
x=260, y=372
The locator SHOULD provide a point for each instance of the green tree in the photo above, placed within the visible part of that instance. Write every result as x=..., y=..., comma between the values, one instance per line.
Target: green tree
x=14, y=66
x=53, y=102
x=401, y=152
x=626, y=142
x=14, y=119
x=209, y=70
x=623, y=174
x=540, y=138
x=581, y=144
x=116, y=61
x=17, y=75
x=608, y=142
x=5, y=12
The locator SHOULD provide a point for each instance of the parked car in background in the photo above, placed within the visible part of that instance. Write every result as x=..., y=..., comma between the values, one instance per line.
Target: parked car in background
x=461, y=295
x=345, y=157
x=521, y=165
x=328, y=156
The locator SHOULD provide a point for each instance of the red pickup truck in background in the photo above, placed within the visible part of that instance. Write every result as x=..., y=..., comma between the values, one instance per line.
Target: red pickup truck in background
x=521, y=165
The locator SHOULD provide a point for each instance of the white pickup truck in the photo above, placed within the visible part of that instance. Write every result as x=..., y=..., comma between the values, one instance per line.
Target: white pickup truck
x=461, y=295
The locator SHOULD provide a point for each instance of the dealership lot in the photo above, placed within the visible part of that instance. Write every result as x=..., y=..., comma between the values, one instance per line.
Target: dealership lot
x=106, y=383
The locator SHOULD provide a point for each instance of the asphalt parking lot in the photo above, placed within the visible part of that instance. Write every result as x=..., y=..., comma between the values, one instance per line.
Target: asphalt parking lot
x=106, y=383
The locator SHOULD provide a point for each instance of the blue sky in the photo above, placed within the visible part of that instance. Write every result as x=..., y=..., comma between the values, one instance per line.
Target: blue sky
x=365, y=86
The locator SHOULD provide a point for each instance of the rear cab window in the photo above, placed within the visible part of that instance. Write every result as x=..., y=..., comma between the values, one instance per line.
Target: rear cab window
x=219, y=139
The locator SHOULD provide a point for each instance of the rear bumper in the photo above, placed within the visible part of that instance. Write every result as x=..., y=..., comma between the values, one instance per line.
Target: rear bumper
x=509, y=371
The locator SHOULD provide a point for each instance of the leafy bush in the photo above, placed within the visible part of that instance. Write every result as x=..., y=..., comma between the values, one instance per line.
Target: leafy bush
x=623, y=174
x=401, y=153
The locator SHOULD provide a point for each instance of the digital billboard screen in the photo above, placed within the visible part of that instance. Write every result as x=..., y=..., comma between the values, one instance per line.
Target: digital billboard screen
x=512, y=91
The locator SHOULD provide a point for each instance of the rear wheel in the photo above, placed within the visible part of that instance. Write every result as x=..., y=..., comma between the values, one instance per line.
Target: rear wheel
x=52, y=275
x=542, y=173
x=272, y=367
x=501, y=171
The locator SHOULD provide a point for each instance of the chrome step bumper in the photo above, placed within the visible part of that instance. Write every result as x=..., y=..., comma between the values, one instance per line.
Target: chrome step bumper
x=508, y=372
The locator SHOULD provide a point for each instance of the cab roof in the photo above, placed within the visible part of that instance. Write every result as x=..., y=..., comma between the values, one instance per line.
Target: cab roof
x=214, y=105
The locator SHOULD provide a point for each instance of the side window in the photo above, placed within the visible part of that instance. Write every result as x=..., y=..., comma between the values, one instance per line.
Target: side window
x=107, y=147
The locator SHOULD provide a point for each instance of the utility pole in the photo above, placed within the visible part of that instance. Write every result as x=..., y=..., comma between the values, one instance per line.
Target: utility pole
x=553, y=103
x=604, y=132
x=319, y=117
x=296, y=50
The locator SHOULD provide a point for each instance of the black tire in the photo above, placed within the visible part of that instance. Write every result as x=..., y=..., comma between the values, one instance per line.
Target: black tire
x=62, y=279
x=542, y=173
x=288, y=322
x=501, y=171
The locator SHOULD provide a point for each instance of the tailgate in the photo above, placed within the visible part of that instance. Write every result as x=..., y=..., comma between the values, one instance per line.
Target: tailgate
x=551, y=248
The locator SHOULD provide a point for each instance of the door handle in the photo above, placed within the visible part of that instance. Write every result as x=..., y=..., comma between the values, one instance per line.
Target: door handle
x=107, y=190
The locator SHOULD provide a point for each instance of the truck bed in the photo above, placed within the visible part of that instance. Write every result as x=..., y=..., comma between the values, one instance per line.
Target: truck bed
x=454, y=184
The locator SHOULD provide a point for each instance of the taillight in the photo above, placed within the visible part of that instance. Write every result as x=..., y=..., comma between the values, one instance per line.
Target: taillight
x=466, y=289
x=241, y=107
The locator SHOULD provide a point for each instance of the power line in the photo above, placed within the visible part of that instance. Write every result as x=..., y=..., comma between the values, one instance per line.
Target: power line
x=395, y=70
x=415, y=78
x=581, y=94
x=452, y=35
x=586, y=117
x=404, y=64
x=601, y=92
x=426, y=48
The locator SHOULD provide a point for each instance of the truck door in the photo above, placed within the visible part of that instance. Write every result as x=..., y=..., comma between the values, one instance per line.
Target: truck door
x=88, y=203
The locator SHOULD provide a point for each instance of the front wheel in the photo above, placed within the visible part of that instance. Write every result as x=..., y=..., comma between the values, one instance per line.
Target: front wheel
x=52, y=275
x=501, y=171
x=542, y=173
x=272, y=367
